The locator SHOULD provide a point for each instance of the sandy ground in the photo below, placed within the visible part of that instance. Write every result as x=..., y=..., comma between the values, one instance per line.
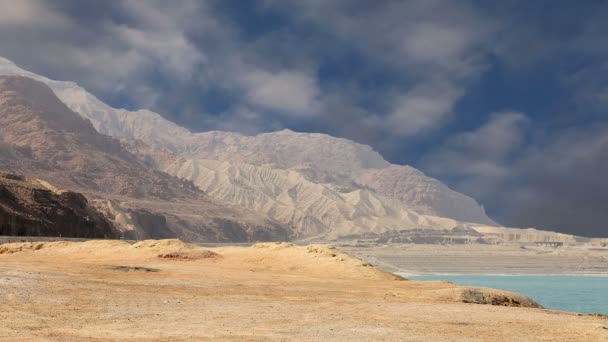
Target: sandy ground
x=75, y=291
x=486, y=259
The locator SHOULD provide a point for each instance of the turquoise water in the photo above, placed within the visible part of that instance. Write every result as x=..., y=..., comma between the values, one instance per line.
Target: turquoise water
x=582, y=294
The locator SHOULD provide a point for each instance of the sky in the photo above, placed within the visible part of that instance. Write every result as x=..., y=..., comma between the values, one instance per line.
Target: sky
x=506, y=101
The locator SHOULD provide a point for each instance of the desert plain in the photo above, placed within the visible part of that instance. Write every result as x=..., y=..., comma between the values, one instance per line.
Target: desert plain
x=168, y=290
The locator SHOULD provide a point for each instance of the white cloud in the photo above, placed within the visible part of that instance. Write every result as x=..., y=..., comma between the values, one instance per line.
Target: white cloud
x=442, y=44
x=104, y=55
x=422, y=108
x=291, y=93
x=479, y=159
x=438, y=46
x=30, y=13
x=590, y=87
x=169, y=49
x=497, y=138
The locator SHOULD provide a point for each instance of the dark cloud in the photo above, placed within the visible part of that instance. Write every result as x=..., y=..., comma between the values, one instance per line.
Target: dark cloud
x=479, y=160
x=562, y=183
x=558, y=182
x=271, y=66
x=110, y=53
x=439, y=47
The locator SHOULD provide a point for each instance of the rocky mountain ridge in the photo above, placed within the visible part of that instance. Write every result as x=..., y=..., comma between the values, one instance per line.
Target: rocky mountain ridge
x=279, y=185
x=319, y=157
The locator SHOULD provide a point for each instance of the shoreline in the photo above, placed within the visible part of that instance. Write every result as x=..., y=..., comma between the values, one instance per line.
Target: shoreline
x=593, y=275
x=169, y=290
x=581, y=294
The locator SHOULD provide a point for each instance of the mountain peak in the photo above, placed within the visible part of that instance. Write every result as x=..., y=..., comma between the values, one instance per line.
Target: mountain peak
x=8, y=67
x=31, y=96
x=285, y=131
x=6, y=61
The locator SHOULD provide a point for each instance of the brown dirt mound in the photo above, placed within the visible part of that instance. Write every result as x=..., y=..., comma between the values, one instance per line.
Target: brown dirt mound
x=16, y=247
x=165, y=249
x=163, y=244
x=174, y=249
x=189, y=255
x=273, y=245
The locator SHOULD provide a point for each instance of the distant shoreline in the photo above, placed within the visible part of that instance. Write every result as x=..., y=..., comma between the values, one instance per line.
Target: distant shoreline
x=495, y=260
x=599, y=275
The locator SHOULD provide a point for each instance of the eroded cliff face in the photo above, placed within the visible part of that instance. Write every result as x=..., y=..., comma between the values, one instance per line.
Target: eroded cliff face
x=29, y=207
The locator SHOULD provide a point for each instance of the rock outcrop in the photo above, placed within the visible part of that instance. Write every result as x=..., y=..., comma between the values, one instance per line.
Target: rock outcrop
x=480, y=295
x=29, y=207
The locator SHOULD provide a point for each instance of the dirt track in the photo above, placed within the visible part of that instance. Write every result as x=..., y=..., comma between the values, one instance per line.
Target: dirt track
x=64, y=291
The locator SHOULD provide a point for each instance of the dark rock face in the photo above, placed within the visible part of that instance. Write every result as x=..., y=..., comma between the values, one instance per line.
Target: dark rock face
x=153, y=226
x=27, y=208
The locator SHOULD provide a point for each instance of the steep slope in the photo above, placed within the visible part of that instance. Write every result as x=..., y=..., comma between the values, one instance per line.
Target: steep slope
x=40, y=136
x=31, y=207
x=45, y=137
x=422, y=194
x=319, y=157
x=325, y=159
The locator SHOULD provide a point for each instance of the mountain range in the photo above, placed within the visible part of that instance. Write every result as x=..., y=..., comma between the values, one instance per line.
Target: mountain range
x=153, y=178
